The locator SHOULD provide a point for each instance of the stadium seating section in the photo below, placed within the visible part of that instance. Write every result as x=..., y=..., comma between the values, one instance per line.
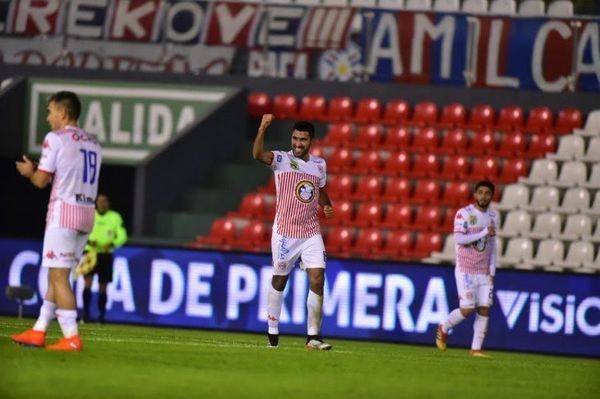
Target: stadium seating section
x=398, y=173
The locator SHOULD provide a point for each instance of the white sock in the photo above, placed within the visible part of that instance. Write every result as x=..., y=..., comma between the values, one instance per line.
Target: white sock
x=314, y=304
x=274, y=302
x=47, y=314
x=68, y=322
x=454, y=318
x=479, y=331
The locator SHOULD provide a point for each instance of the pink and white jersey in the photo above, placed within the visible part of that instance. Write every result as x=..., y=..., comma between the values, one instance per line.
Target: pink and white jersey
x=74, y=157
x=475, y=257
x=297, y=185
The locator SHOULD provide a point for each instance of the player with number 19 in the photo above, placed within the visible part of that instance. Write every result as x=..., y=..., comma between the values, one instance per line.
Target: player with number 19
x=70, y=161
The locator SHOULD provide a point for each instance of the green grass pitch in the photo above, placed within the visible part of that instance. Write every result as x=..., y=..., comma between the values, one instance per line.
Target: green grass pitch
x=122, y=361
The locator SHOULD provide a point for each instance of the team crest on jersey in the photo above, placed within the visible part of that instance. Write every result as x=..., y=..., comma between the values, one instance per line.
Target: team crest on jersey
x=472, y=220
x=305, y=191
x=294, y=164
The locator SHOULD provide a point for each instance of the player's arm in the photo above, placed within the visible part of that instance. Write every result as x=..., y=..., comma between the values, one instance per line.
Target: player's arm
x=325, y=202
x=493, y=254
x=121, y=236
x=28, y=169
x=258, y=149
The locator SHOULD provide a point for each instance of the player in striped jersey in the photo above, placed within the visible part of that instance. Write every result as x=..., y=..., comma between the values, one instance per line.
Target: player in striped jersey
x=475, y=240
x=70, y=161
x=300, y=186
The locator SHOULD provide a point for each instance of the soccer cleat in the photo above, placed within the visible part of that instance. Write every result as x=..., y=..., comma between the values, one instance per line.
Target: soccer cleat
x=478, y=353
x=30, y=338
x=315, y=342
x=441, y=338
x=273, y=341
x=72, y=344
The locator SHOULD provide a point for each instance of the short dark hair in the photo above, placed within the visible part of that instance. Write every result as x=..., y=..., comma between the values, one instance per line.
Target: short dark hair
x=303, y=126
x=69, y=101
x=485, y=183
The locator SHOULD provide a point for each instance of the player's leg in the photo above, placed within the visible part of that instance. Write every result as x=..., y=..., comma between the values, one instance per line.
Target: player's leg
x=464, y=286
x=105, y=274
x=480, y=326
x=88, y=279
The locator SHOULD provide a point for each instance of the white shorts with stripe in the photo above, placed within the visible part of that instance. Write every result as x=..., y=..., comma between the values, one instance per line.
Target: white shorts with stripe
x=474, y=290
x=286, y=252
x=63, y=247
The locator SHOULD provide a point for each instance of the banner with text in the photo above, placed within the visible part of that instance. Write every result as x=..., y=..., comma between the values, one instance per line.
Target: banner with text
x=537, y=312
x=129, y=119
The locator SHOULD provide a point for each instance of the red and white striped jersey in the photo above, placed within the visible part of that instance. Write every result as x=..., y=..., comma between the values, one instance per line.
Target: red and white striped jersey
x=74, y=157
x=297, y=185
x=475, y=257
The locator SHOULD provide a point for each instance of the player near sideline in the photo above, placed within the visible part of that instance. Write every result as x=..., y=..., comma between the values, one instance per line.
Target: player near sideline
x=475, y=241
x=300, y=188
x=70, y=161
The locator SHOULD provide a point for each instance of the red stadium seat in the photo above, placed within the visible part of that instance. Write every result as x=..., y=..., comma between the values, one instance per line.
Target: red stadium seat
x=453, y=115
x=483, y=142
x=456, y=193
x=339, y=186
x=252, y=205
x=397, y=189
x=285, y=106
x=425, y=165
x=397, y=138
x=339, y=240
x=368, y=214
x=512, y=144
x=512, y=169
x=344, y=213
x=397, y=216
x=312, y=107
x=368, y=110
x=340, y=109
x=425, y=244
x=426, y=192
x=221, y=233
x=253, y=237
x=511, y=118
x=340, y=160
x=368, y=136
x=398, y=163
x=540, y=120
x=339, y=134
x=426, y=113
x=447, y=226
x=427, y=217
x=368, y=161
x=368, y=188
x=368, y=242
x=540, y=144
x=454, y=167
x=568, y=120
x=485, y=168
x=397, y=243
x=454, y=141
x=482, y=117
x=425, y=140
x=259, y=103
x=396, y=111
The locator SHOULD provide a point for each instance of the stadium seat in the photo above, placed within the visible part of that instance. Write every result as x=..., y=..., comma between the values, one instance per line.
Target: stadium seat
x=448, y=252
x=485, y=168
x=339, y=240
x=397, y=189
x=543, y=198
x=368, y=188
x=456, y=193
x=545, y=225
x=425, y=113
x=427, y=217
x=368, y=214
x=579, y=254
x=576, y=199
x=483, y=116
x=592, y=153
x=222, y=232
x=259, y=103
x=595, y=236
x=518, y=253
x=542, y=171
x=594, y=180
x=391, y=4
x=540, y=144
x=425, y=244
x=592, y=125
x=454, y=141
x=340, y=161
x=572, y=173
x=285, y=106
x=454, y=167
x=253, y=237
x=576, y=226
x=426, y=165
x=368, y=110
x=427, y=191
x=475, y=6
x=511, y=118
x=425, y=139
x=503, y=7
x=513, y=196
x=447, y=225
x=569, y=147
x=344, y=213
x=532, y=8
x=368, y=161
x=453, y=115
x=512, y=144
x=516, y=222
x=339, y=134
x=568, y=120
x=312, y=107
x=396, y=111
x=540, y=120
x=418, y=5
x=340, y=109
x=368, y=243
x=340, y=186
x=548, y=252
x=512, y=169
x=398, y=163
x=446, y=5
x=560, y=9
x=483, y=142
x=397, y=215
x=397, y=138
x=397, y=243
x=252, y=205
x=368, y=136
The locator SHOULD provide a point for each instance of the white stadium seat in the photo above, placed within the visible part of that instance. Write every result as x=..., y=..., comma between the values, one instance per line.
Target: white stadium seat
x=446, y=5
x=532, y=8
x=548, y=252
x=572, y=173
x=546, y=225
x=475, y=6
x=576, y=199
x=516, y=223
x=594, y=210
x=592, y=153
x=518, y=253
x=594, y=181
x=503, y=7
x=543, y=198
x=418, y=5
x=392, y=4
x=570, y=147
x=560, y=8
x=576, y=227
x=592, y=125
x=513, y=196
x=580, y=254
x=363, y=3
x=595, y=236
x=542, y=171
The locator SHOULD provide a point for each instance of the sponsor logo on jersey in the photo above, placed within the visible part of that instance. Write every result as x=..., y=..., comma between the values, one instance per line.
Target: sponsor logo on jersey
x=305, y=191
x=472, y=220
x=279, y=158
x=294, y=164
x=50, y=255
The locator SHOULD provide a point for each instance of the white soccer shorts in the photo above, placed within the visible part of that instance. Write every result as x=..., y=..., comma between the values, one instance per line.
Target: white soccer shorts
x=63, y=247
x=286, y=252
x=473, y=289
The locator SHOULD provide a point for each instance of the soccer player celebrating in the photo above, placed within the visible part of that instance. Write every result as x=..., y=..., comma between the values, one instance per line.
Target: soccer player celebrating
x=300, y=185
x=70, y=160
x=475, y=240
